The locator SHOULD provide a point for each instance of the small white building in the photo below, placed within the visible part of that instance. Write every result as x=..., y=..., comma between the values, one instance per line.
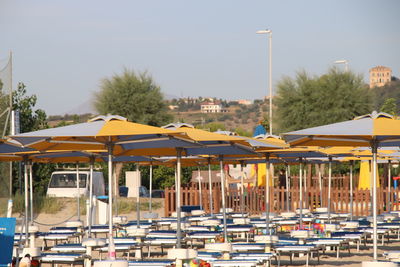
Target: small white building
x=211, y=107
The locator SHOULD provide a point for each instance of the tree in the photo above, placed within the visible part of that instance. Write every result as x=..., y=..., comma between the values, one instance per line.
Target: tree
x=390, y=90
x=134, y=96
x=312, y=101
x=389, y=106
x=32, y=120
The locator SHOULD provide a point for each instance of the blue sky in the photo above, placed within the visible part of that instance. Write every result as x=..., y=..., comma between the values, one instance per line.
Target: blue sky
x=62, y=49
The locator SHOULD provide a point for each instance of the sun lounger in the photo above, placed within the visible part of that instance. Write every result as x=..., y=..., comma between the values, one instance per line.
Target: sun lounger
x=329, y=242
x=248, y=247
x=121, y=247
x=150, y=263
x=296, y=249
x=56, y=238
x=208, y=256
x=233, y=263
x=69, y=248
x=393, y=255
x=264, y=257
x=60, y=258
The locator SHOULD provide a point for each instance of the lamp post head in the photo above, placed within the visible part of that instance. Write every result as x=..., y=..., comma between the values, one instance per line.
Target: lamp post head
x=263, y=31
x=343, y=61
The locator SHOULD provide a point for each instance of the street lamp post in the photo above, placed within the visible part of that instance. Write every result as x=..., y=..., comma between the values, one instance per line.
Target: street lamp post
x=269, y=32
x=345, y=62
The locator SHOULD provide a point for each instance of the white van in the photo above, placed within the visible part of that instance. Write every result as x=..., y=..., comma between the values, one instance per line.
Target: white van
x=63, y=184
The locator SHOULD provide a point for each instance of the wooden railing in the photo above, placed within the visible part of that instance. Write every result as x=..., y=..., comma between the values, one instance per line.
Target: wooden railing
x=254, y=199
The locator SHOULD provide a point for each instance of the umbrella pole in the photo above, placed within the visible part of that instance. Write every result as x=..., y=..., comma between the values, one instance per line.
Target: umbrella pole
x=351, y=190
x=91, y=197
x=329, y=188
x=115, y=190
x=268, y=232
x=151, y=187
x=388, y=185
x=301, y=193
x=78, y=198
x=111, y=246
x=200, y=193
x=320, y=184
x=287, y=187
x=221, y=166
x=305, y=184
x=242, y=188
x=137, y=201
x=31, y=190
x=26, y=201
x=178, y=197
x=210, y=186
x=374, y=193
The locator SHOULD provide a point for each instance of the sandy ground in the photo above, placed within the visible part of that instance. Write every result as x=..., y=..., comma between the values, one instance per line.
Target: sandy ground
x=329, y=259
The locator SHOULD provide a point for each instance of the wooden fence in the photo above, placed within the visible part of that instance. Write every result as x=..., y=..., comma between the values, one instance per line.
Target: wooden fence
x=254, y=198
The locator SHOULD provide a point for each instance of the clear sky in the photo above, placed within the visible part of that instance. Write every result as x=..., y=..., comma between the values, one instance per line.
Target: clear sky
x=62, y=49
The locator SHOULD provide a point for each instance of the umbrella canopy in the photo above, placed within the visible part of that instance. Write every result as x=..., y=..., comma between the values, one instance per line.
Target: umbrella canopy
x=373, y=130
x=98, y=133
x=376, y=127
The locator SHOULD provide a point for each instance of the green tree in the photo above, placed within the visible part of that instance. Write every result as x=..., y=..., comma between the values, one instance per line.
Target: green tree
x=389, y=106
x=134, y=96
x=31, y=120
x=312, y=101
x=390, y=90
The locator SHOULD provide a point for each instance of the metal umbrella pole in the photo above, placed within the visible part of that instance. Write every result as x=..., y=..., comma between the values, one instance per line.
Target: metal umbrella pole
x=389, y=185
x=242, y=188
x=351, y=189
x=137, y=201
x=151, y=187
x=200, y=192
x=320, y=184
x=31, y=189
x=267, y=197
x=178, y=197
x=91, y=197
x=111, y=246
x=301, y=193
x=374, y=147
x=210, y=185
x=287, y=187
x=329, y=188
x=26, y=201
x=221, y=165
x=78, y=198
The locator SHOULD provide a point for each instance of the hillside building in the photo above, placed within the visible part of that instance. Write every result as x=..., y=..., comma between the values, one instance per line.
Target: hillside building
x=379, y=76
x=211, y=107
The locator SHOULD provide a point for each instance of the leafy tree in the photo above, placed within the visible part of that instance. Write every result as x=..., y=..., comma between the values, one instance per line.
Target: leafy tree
x=32, y=120
x=312, y=101
x=134, y=96
x=390, y=106
x=390, y=90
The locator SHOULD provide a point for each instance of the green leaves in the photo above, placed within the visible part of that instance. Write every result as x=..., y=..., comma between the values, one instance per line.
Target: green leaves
x=134, y=96
x=312, y=101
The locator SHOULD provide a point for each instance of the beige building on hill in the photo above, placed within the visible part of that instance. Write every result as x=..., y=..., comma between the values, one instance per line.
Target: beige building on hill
x=379, y=76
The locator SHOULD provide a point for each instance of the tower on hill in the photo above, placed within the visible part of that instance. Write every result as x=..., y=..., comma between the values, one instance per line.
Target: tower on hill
x=379, y=76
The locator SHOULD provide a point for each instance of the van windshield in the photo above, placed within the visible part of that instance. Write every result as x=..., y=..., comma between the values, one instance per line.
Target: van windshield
x=67, y=180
